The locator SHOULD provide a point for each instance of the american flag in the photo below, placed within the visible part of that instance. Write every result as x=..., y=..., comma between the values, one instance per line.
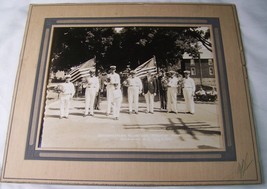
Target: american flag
x=82, y=70
x=149, y=65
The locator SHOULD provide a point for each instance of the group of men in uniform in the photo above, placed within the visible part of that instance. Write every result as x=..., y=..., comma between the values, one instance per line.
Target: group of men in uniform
x=148, y=87
x=91, y=84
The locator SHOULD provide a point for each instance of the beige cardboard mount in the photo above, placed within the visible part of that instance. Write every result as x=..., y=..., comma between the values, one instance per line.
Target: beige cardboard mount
x=236, y=162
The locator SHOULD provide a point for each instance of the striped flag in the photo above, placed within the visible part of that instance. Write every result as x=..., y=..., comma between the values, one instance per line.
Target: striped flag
x=82, y=70
x=149, y=65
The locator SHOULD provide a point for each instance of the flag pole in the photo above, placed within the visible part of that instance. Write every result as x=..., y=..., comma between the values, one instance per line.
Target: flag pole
x=96, y=68
x=154, y=57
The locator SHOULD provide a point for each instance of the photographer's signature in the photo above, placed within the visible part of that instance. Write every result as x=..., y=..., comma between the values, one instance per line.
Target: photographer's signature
x=243, y=166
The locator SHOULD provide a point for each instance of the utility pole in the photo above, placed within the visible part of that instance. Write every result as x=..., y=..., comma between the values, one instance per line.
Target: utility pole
x=200, y=68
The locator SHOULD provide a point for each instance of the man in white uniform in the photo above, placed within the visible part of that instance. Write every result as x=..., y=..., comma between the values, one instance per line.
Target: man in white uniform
x=112, y=80
x=66, y=92
x=92, y=86
x=189, y=91
x=117, y=100
x=135, y=88
x=172, y=93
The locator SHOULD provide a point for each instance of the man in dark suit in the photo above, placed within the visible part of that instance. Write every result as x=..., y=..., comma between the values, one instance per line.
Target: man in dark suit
x=149, y=91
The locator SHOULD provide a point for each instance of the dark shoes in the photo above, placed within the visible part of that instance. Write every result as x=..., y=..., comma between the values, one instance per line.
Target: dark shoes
x=189, y=113
x=61, y=117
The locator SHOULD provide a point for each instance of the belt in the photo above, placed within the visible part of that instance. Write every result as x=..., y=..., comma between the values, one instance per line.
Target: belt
x=90, y=87
x=133, y=85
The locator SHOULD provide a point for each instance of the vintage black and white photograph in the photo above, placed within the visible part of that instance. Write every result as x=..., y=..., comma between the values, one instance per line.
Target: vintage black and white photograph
x=132, y=88
x=132, y=94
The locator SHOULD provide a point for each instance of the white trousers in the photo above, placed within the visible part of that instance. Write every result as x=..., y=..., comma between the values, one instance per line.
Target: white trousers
x=133, y=98
x=90, y=94
x=149, y=102
x=64, y=105
x=172, y=99
x=117, y=107
x=110, y=98
x=189, y=100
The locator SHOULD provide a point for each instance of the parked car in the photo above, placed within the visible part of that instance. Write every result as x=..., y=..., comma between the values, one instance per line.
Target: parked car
x=210, y=93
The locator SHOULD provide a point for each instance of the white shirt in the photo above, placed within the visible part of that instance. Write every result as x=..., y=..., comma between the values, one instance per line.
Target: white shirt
x=114, y=79
x=189, y=83
x=92, y=82
x=201, y=92
x=135, y=82
x=68, y=88
x=173, y=82
x=212, y=92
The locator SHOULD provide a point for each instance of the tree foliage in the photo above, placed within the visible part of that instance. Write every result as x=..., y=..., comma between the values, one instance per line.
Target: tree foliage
x=130, y=45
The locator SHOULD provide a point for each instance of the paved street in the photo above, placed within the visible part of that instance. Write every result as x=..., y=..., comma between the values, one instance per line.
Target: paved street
x=160, y=130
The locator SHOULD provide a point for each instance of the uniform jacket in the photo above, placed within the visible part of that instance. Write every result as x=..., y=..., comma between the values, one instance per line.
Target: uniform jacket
x=150, y=85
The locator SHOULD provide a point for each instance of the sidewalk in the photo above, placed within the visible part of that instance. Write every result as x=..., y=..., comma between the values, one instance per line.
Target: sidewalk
x=158, y=131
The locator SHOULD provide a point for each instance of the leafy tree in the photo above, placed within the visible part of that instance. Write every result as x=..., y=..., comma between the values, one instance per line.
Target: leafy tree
x=167, y=44
x=134, y=45
x=73, y=46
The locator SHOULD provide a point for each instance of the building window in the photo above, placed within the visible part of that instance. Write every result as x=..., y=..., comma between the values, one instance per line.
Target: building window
x=210, y=62
x=193, y=71
x=192, y=62
x=211, y=71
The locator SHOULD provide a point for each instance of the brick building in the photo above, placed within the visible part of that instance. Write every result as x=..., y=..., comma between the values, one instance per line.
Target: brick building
x=202, y=69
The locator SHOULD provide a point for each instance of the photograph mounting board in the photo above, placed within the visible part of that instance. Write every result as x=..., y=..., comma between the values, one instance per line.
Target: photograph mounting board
x=234, y=162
